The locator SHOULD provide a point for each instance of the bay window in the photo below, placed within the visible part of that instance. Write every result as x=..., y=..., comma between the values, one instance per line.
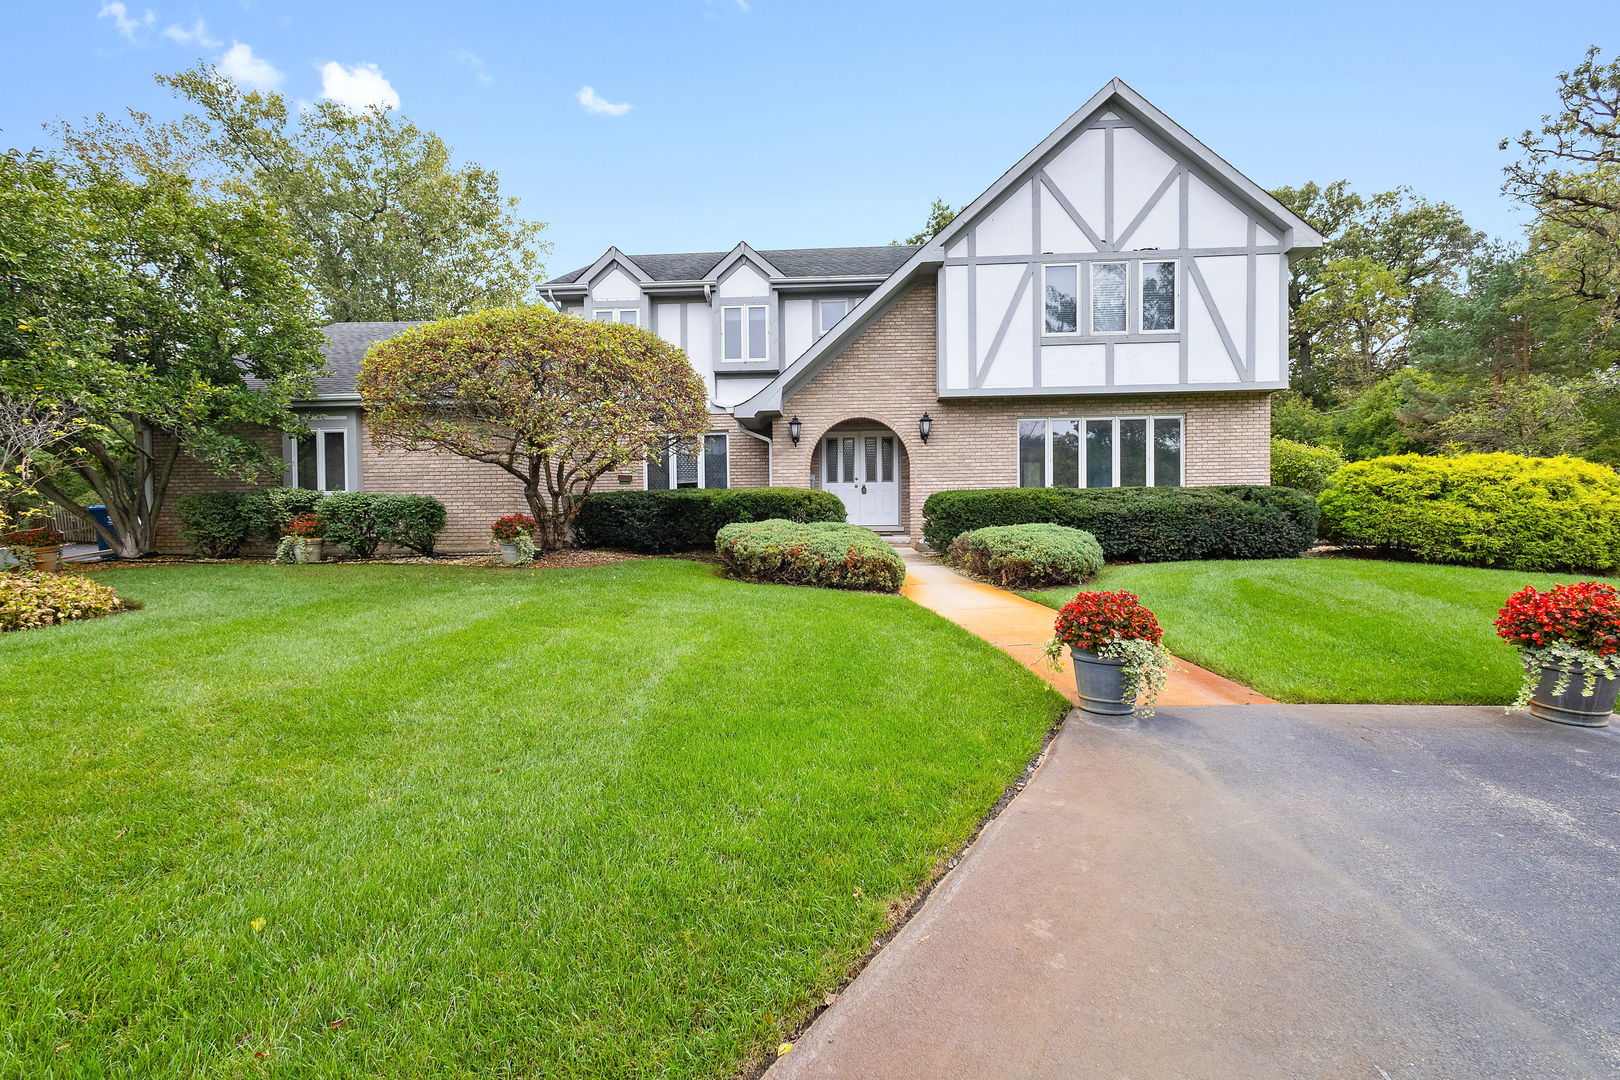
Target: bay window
x=1108, y=451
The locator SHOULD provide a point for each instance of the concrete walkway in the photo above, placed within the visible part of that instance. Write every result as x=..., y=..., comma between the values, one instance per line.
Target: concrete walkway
x=1389, y=893
x=1019, y=627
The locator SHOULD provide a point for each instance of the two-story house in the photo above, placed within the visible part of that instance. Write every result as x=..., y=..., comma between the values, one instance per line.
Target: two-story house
x=1113, y=311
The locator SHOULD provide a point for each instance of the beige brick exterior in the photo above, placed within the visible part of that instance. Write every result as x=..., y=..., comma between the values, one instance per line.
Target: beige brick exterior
x=889, y=375
x=886, y=377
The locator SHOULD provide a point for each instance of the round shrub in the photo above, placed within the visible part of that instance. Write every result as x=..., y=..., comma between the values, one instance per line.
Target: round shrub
x=828, y=554
x=688, y=519
x=1300, y=465
x=267, y=511
x=213, y=523
x=1480, y=509
x=411, y=521
x=32, y=600
x=350, y=518
x=1028, y=556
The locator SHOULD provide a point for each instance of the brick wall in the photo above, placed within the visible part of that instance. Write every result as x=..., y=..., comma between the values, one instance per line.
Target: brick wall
x=889, y=375
x=190, y=475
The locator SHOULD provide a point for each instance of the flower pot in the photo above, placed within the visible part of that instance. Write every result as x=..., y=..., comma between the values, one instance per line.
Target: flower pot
x=1572, y=707
x=509, y=553
x=1101, y=683
x=47, y=558
x=309, y=550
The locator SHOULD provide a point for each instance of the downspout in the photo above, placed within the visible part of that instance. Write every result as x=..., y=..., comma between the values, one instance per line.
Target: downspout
x=770, y=453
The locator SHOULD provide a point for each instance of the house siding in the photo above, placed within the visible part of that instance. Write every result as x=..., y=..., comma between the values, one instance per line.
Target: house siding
x=889, y=375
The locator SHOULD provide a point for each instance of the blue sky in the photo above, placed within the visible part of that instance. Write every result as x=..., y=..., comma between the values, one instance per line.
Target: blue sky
x=810, y=124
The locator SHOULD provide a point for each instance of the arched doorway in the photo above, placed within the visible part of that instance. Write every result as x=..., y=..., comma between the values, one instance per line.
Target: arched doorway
x=861, y=462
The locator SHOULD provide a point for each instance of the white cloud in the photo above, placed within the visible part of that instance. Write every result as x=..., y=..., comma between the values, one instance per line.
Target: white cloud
x=198, y=35
x=357, y=87
x=597, y=106
x=239, y=64
x=476, y=63
x=128, y=25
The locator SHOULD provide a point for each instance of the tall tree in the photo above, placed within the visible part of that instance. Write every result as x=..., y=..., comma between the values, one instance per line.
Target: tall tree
x=940, y=214
x=1569, y=173
x=1386, y=258
x=166, y=321
x=558, y=402
x=398, y=231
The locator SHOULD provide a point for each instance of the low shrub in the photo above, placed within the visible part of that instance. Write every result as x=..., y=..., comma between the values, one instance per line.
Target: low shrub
x=1027, y=556
x=689, y=519
x=411, y=521
x=1140, y=524
x=31, y=600
x=1302, y=466
x=268, y=510
x=214, y=524
x=1480, y=509
x=351, y=520
x=827, y=554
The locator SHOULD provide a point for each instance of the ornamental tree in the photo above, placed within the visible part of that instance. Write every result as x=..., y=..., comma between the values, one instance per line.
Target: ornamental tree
x=556, y=401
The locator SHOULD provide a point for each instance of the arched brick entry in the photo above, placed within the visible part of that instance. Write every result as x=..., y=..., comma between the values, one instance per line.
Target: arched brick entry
x=865, y=462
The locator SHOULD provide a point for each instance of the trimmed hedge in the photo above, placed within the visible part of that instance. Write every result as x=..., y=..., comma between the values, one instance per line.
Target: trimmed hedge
x=212, y=522
x=688, y=519
x=30, y=600
x=1141, y=524
x=1300, y=465
x=1480, y=509
x=216, y=523
x=1028, y=556
x=826, y=554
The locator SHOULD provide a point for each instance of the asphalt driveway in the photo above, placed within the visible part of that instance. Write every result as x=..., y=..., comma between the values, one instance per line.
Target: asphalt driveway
x=1267, y=891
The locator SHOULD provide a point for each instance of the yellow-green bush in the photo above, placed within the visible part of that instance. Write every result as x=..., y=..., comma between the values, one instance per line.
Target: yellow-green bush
x=1480, y=509
x=29, y=600
x=1302, y=466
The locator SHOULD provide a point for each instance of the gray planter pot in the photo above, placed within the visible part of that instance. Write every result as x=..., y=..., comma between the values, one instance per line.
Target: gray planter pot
x=310, y=551
x=1571, y=707
x=1101, y=683
x=509, y=554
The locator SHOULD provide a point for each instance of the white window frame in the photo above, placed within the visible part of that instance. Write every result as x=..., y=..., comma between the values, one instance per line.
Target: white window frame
x=1049, y=421
x=1079, y=301
x=617, y=314
x=1091, y=297
x=822, y=325
x=319, y=427
x=744, y=311
x=702, y=464
x=1141, y=296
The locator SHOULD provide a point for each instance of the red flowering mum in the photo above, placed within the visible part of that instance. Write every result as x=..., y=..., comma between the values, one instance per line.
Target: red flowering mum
x=44, y=536
x=1585, y=615
x=510, y=527
x=1093, y=619
x=307, y=526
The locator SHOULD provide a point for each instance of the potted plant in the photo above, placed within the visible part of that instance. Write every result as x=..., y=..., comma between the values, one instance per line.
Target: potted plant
x=514, y=535
x=38, y=548
x=302, y=540
x=1568, y=639
x=1118, y=660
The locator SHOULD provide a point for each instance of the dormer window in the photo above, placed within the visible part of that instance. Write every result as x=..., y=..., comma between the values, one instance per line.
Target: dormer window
x=624, y=315
x=742, y=331
x=828, y=314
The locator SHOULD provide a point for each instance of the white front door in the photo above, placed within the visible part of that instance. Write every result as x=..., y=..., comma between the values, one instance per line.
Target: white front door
x=863, y=469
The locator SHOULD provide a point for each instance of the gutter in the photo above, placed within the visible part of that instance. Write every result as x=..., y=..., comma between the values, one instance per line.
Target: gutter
x=770, y=454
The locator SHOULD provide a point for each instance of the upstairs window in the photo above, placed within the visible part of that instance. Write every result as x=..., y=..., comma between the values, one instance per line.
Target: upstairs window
x=829, y=312
x=689, y=463
x=624, y=315
x=1158, y=297
x=1108, y=298
x=1061, y=299
x=742, y=332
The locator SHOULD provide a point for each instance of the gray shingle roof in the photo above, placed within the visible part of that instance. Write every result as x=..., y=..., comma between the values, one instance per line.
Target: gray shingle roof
x=346, y=344
x=793, y=262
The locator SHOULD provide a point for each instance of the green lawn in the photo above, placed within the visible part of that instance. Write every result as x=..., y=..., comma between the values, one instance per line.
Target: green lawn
x=1345, y=630
x=632, y=820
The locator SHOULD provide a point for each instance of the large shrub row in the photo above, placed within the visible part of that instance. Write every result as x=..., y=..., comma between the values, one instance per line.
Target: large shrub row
x=215, y=524
x=1480, y=509
x=688, y=519
x=29, y=600
x=828, y=554
x=1141, y=524
x=1028, y=556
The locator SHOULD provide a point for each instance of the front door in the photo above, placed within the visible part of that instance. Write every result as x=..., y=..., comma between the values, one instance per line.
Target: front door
x=863, y=469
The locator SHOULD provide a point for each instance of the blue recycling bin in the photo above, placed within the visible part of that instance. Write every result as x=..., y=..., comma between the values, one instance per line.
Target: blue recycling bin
x=99, y=512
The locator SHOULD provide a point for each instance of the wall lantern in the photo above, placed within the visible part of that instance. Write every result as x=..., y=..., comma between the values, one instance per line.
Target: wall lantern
x=794, y=427
x=924, y=426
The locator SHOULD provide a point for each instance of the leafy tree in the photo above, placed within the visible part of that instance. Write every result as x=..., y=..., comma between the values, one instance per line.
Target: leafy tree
x=397, y=230
x=161, y=321
x=940, y=214
x=556, y=401
x=1570, y=174
x=1533, y=417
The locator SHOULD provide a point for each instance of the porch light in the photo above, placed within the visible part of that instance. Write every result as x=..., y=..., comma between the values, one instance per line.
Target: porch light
x=924, y=426
x=794, y=427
